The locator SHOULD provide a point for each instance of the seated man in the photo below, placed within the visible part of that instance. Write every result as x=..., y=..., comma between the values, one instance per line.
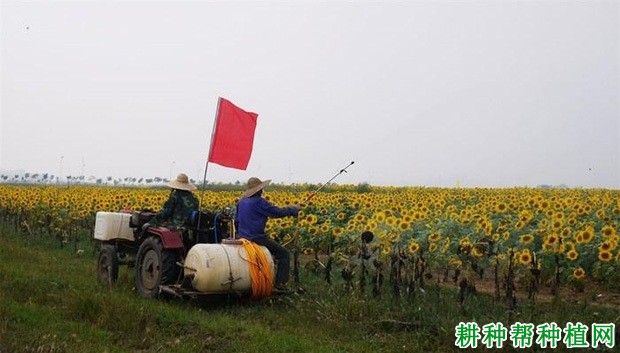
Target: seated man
x=250, y=220
x=178, y=209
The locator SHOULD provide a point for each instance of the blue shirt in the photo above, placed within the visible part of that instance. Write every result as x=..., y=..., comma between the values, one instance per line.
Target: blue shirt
x=252, y=214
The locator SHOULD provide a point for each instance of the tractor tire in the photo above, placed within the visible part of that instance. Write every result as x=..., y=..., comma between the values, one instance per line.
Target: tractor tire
x=107, y=265
x=155, y=266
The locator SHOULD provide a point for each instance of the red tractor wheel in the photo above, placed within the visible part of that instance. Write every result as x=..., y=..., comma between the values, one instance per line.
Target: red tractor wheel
x=155, y=266
x=107, y=265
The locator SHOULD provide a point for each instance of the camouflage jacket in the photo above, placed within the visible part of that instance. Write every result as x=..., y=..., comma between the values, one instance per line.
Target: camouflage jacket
x=177, y=211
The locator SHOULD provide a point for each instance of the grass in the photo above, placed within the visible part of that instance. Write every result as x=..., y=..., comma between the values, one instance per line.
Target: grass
x=50, y=301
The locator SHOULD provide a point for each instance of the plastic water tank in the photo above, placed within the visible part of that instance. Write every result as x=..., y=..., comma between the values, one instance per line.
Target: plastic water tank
x=112, y=225
x=213, y=265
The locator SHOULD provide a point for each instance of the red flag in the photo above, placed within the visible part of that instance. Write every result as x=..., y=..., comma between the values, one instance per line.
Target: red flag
x=232, y=140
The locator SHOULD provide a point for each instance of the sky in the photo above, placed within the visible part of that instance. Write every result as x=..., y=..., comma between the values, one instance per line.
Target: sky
x=416, y=93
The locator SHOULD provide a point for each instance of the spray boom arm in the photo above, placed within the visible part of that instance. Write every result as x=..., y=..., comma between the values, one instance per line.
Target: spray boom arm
x=343, y=170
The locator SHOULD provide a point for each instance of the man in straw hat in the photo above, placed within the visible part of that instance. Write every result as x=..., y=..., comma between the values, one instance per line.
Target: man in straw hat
x=250, y=219
x=178, y=208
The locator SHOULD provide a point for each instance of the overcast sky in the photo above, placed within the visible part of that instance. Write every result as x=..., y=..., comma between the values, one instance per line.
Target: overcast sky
x=430, y=93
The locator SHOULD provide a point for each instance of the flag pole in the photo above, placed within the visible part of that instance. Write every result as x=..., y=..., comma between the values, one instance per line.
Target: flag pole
x=217, y=111
x=204, y=179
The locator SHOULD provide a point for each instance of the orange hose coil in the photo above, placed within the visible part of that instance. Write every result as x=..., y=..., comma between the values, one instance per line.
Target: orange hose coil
x=261, y=273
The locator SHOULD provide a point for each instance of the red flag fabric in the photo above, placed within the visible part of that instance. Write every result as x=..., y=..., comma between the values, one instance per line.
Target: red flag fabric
x=233, y=138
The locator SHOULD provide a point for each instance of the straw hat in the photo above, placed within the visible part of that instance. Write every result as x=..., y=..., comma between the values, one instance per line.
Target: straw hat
x=254, y=185
x=182, y=183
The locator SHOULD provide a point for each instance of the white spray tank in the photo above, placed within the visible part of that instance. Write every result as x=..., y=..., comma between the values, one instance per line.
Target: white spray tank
x=221, y=268
x=112, y=226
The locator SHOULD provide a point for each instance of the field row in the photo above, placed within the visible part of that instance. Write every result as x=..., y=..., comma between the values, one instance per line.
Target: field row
x=565, y=235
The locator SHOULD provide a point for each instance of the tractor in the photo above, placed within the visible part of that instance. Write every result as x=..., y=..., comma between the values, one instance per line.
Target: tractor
x=198, y=259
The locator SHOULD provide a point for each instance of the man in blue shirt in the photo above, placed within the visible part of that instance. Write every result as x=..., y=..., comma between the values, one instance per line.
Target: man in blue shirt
x=250, y=220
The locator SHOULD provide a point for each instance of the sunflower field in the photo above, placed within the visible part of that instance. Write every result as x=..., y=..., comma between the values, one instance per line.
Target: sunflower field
x=515, y=238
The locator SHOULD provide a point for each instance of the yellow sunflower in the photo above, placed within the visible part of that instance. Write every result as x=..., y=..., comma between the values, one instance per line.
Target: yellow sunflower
x=579, y=273
x=506, y=235
x=572, y=255
x=525, y=257
x=434, y=237
x=501, y=207
x=413, y=246
x=432, y=247
x=566, y=232
x=605, y=246
x=455, y=262
x=476, y=252
x=587, y=234
x=379, y=217
x=550, y=241
x=526, y=239
x=324, y=228
x=605, y=256
x=446, y=245
x=608, y=231
x=311, y=219
x=393, y=238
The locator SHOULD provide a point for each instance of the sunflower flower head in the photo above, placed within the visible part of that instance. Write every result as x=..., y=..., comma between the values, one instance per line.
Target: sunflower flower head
x=526, y=239
x=605, y=256
x=572, y=255
x=413, y=246
x=525, y=257
x=579, y=273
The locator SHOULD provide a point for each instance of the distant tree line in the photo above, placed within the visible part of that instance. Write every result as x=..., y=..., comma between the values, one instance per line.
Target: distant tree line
x=50, y=179
x=46, y=178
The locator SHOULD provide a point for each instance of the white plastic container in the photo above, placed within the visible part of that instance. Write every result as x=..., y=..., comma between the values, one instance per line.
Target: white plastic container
x=113, y=225
x=213, y=264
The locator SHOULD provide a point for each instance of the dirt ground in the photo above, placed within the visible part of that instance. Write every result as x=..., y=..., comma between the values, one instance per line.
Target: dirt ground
x=594, y=293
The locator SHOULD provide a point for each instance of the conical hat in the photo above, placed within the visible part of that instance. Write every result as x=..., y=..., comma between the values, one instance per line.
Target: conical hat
x=182, y=183
x=254, y=185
